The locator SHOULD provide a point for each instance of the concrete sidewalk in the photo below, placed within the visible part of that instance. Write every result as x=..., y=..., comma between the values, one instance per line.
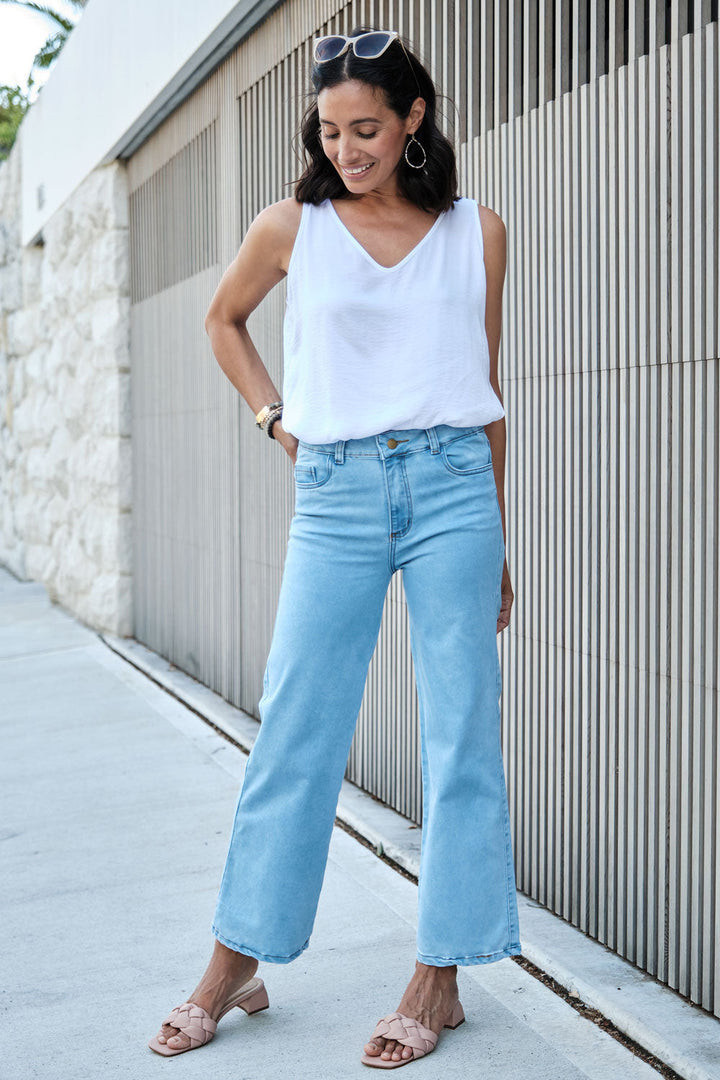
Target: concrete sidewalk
x=117, y=803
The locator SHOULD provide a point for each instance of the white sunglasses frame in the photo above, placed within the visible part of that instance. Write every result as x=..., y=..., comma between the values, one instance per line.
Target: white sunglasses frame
x=392, y=36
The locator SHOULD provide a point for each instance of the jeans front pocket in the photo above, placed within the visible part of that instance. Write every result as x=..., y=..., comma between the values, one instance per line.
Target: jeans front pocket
x=468, y=454
x=312, y=470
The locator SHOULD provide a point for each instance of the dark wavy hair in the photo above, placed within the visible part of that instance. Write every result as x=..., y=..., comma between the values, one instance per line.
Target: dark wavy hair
x=434, y=187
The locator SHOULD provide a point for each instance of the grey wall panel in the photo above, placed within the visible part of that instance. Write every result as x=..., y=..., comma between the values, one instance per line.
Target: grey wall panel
x=600, y=152
x=184, y=432
x=614, y=759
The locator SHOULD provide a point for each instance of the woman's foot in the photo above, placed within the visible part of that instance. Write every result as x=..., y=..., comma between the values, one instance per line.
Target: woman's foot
x=430, y=998
x=226, y=973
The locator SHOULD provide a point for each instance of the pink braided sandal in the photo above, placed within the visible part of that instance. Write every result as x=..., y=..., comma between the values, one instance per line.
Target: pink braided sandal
x=200, y=1027
x=408, y=1032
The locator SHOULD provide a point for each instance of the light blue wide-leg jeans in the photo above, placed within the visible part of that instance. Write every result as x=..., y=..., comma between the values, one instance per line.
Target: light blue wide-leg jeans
x=424, y=502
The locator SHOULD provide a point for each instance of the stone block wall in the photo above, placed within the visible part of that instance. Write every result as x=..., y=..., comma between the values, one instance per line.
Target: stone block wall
x=65, y=466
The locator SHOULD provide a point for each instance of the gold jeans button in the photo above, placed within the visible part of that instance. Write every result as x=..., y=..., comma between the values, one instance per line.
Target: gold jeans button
x=392, y=443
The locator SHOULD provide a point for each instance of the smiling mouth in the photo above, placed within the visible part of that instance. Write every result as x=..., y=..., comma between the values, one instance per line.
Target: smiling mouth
x=357, y=172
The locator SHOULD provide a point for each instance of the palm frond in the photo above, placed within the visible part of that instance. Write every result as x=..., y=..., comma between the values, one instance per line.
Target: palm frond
x=50, y=50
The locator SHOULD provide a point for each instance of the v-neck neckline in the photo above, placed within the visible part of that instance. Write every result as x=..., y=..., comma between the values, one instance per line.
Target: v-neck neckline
x=366, y=253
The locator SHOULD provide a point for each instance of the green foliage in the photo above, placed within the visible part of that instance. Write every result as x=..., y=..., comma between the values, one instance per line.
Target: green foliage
x=50, y=51
x=13, y=106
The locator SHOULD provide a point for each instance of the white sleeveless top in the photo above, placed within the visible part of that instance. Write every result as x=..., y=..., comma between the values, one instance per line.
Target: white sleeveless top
x=370, y=348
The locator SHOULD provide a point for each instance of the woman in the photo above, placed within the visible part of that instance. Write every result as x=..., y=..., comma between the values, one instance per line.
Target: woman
x=393, y=419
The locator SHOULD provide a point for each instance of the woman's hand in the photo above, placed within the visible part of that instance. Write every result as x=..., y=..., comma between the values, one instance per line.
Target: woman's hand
x=507, y=599
x=286, y=440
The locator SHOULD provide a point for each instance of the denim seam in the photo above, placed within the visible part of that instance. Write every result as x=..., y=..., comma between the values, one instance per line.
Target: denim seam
x=509, y=863
x=501, y=562
x=514, y=949
x=391, y=545
x=226, y=867
x=403, y=532
x=465, y=472
x=263, y=957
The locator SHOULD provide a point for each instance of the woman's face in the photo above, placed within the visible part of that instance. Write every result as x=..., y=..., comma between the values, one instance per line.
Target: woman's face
x=362, y=136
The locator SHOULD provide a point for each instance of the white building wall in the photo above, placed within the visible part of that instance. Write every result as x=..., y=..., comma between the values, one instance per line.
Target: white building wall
x=118, y=62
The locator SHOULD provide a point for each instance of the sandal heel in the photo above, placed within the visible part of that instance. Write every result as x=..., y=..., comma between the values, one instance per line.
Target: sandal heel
x=256, y=1002
x=457, y=1018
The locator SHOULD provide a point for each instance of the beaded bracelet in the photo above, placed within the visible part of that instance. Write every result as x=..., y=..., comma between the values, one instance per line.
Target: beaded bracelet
x=274, y=417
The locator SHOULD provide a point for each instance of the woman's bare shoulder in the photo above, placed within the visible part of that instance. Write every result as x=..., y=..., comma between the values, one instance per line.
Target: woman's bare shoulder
x=281, y=215
x=494, y=240
x=493, y=227
x=276, y=228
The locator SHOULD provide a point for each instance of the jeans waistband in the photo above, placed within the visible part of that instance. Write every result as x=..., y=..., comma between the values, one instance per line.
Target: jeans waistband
x=393, y=442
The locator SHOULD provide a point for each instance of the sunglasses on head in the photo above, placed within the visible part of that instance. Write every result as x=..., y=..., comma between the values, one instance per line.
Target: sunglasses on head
x=366, y=46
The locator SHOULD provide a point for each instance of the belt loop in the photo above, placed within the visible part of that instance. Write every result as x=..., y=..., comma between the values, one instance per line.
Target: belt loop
x=339, y=452
x=432, y=435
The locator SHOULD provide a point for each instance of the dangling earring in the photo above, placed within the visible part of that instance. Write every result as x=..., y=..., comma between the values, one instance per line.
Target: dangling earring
x=422, y=150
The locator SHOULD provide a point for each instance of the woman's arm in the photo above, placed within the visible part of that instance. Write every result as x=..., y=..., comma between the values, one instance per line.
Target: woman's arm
x=260, y=264
x=495, y=244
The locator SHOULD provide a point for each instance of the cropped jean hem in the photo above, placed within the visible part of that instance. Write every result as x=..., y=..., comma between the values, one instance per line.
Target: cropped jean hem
x=264, y=957
x=466, y=961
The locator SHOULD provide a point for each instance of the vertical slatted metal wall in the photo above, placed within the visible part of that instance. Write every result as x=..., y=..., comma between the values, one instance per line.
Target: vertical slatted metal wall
x=592, y=129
